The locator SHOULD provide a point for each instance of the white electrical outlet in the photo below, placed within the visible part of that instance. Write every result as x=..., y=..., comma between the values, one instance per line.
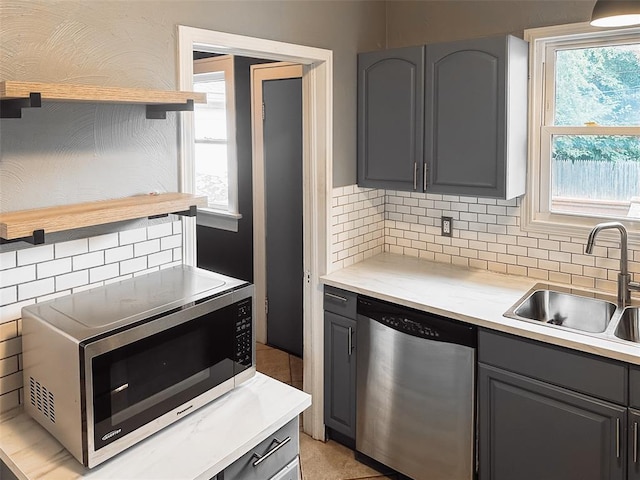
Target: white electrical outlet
x=447, y=226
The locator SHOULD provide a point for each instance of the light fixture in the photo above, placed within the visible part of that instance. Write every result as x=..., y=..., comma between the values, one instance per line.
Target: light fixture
x=616, y=13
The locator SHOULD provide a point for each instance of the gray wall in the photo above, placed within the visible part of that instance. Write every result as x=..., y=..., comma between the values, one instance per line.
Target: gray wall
x=419, y=22
x=67, y=153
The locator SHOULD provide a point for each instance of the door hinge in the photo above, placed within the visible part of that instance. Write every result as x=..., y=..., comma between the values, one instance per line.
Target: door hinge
x=263, y=112
x=307, y=276
x=266, y=306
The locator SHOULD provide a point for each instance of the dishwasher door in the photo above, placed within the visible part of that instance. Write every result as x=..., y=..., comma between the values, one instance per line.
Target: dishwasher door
x=415, y=402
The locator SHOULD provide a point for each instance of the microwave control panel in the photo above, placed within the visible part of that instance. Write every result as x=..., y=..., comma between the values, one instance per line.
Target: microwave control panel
x=244, y=352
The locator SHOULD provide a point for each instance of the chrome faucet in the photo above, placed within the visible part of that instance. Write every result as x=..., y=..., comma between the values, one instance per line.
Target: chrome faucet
x=625, y=285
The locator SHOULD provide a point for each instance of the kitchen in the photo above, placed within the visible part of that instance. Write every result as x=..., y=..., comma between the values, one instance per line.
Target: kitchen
x=343, y=27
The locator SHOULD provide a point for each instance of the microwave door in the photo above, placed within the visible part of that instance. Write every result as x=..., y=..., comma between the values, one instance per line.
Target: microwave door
x=145, y=379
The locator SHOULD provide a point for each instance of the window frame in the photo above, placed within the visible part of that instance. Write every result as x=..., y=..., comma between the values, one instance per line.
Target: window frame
x=536, y=216
x=223, y=218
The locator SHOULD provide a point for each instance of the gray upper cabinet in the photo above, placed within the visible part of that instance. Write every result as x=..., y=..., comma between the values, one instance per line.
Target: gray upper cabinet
x=390, y=119
x=476, y=121
x=452, y=120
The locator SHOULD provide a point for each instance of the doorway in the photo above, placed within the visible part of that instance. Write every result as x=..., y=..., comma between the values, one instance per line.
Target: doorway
x=317, y=86
x=278, y=203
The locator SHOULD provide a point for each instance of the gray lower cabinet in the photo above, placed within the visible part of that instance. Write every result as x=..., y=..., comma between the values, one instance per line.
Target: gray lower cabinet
x=476, y=117
x=531, y=430
x=340, y=364
x=634, y=386
x=274, y=458
x=634, y=444
x=391, y=118
x=552, y=413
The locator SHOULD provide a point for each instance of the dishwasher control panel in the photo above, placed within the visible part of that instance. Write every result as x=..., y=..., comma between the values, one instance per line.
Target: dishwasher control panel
x=418, y=323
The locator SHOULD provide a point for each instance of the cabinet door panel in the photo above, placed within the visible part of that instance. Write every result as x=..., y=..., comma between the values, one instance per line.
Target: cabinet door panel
x=531, y=430
x=340, y=374
x=634, y=444
x=390, y=118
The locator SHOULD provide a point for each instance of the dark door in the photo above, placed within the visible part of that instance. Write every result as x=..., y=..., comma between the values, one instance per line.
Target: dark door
x=634, y=444
x=390, y=119
x=531, y=430
x=282, y=125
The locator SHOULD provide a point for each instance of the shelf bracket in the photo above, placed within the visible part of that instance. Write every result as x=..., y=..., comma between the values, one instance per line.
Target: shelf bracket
x=37, y=238
x=192, y=212
x=12, y=108
x=159, y=112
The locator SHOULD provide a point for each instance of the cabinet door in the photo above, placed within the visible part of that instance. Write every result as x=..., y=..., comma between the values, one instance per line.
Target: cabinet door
x=466, y=139
x=530, y=430
x=634, y=444
x=340, y=374
x=391, y=119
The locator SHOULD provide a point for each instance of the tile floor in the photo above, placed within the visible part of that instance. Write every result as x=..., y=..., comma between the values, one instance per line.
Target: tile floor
x=319, y=460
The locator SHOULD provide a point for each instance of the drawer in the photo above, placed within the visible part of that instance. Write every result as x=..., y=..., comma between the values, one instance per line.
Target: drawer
x=634, y=386
x=581, y=372
x=269, y=457
x=290, y=472
x=340, y=301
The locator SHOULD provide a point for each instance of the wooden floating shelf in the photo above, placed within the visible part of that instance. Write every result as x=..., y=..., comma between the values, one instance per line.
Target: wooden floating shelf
x=14, y=96
x=25, y=223
x=63, y=92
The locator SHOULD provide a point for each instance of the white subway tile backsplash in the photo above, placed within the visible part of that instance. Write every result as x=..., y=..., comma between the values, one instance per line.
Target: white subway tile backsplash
x=53, y=268
x=133, y=236
x=170, y=242
x=74, y=247
x=72, y=280
x=160, y=230
x=17, y=275
x=35, y=255
x=8, y=295
x=133, y=265
x=103, y=242
x=104, y=272
x=160, y=258
x=35, y=289
x=118, y=254
x=88, y=260
x=8, y=260
x=146, y=248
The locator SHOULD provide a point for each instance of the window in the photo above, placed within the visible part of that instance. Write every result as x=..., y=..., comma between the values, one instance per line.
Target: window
x=214, y=132
x=584, y=129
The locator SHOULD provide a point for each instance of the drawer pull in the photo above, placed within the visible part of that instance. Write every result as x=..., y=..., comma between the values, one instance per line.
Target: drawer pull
x=279, y=445
x=336, y=297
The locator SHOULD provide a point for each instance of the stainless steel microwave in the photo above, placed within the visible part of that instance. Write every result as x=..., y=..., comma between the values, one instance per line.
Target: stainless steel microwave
x=108, y=367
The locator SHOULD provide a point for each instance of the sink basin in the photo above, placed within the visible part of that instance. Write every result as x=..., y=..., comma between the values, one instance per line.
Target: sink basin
x=629, y=325
x=567, y=310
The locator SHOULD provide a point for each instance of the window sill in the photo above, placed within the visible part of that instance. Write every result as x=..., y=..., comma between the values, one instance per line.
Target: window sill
x=220, y=219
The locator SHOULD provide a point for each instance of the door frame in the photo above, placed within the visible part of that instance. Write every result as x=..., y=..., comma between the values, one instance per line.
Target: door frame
x=259, y=74
x=317, y=106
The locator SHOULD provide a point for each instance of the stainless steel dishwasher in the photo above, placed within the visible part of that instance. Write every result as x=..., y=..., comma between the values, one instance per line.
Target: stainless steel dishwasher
x=415, y=391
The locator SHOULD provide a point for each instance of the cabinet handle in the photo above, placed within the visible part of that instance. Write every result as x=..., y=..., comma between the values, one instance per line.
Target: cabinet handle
x=635, y=442
x=336, y=297
x=425, y=169
x=279, y=445
x=617, y=437
x=350, y=341
x=415, y=175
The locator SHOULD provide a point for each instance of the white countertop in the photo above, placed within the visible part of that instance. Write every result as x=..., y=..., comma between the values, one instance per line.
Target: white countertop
x=197, y=447
x=473, y=296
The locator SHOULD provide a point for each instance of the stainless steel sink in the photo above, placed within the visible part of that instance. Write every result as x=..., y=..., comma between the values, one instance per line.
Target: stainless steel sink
x=588, y=313
x=628, y=327
x=568, y=310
